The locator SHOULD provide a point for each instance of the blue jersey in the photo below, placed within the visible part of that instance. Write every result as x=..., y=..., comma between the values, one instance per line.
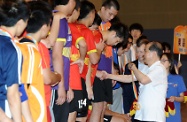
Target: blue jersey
x=10, y=65
x=176, y=86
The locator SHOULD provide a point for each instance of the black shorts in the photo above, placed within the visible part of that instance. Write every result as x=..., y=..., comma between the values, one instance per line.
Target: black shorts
x=75, y=104
x=85, y=102
x=107, y=118
x=102, y=90
x=61, y=112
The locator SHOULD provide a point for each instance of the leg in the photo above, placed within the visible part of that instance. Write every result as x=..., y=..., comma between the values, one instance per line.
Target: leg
x=118, y=119
x=72, y=116
x=97, y=109
x=103, y=111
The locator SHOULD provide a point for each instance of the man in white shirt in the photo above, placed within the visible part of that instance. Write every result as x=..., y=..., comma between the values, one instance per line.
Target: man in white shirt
x=153, y=86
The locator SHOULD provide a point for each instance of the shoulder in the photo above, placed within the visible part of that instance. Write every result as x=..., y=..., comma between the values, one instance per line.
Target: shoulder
x=179, y=77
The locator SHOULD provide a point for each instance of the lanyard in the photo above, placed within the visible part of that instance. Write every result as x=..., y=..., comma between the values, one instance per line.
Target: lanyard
x=134, y=86
x=4, y=32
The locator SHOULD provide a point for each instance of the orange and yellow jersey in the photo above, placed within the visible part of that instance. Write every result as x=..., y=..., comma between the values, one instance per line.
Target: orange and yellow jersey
x=97, y=38
x=32, y=79
x=108, y=49
x=75, y=77
x=91, y=48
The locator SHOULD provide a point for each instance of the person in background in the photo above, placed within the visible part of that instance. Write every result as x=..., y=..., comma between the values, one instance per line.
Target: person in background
x=176, y=88
x=167, y=49
x=124, y=54
x=135, y=30
x=131, y=90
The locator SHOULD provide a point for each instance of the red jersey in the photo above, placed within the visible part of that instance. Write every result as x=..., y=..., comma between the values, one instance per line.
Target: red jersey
x=91, y=48
x=75, y=77
x=97, y=38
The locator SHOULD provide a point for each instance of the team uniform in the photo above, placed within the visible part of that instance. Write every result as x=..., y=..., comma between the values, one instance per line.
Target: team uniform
x=176, y=86
x=89, y=38
x=32, y=78
x=61, y=112
x=47, y=88
x=103, y=89
x=97, y=38
x=75, y=77
x=10, y=63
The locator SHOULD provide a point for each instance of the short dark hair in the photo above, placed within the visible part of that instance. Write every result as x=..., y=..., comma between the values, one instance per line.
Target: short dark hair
x=85, y=9
x=125, y=43
x=136, y=26
x=115, y=20
x=77, y=5
x=111, y=3
x=39, y=15
x=12, y=12
x=97, y=19
x=142, y=40
x=166, y=45
x=60, y=2
x=120, y=29
x=116, y=67
x=157, y=47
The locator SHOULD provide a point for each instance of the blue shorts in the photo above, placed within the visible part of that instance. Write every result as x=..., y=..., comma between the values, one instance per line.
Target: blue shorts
x=23, y=93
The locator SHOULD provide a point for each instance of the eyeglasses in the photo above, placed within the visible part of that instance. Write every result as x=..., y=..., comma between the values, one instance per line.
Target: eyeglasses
x=130, y=42
x=164, y=60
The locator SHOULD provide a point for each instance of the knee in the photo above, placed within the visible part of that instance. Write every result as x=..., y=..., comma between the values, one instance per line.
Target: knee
x=98, y=106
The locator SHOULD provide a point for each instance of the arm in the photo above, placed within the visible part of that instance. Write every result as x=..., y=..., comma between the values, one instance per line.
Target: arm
x=13, y=97
x=143, y=79
x=111, y=113
x=177, y=99
x=58, y=67
x=51, y=78
x=120, y=78
x=55, y=28
x=95, y=57
x=88, y=82
x=26, y=111
x=82, y=49
x=70, y=95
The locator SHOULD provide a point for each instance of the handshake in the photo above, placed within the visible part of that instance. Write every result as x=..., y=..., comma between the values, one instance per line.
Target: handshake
x=104, y=75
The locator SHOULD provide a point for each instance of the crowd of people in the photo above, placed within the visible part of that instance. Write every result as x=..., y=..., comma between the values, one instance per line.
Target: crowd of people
x=67, y=62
